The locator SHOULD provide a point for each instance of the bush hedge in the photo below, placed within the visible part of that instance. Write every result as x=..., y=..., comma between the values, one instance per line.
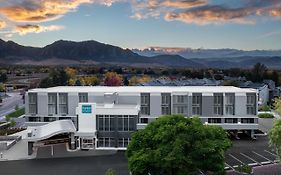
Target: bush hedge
x=266, y=115
x=244, y=169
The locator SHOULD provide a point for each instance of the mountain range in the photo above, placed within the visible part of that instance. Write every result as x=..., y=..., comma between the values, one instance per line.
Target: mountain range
x=206, y=53
x=92, y=52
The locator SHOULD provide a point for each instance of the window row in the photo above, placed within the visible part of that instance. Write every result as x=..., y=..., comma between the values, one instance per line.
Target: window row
x=108, y=123
x=231, y=120
x=110, y=142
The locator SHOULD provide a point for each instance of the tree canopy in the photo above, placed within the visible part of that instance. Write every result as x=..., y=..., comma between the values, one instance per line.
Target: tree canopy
x=175, y=145
x=275, y=137
x=275, y=132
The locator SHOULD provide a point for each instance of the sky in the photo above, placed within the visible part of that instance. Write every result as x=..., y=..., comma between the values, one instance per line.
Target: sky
x=238, y=24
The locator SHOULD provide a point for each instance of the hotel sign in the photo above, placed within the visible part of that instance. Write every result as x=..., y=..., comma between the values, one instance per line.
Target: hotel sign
x=86, y=109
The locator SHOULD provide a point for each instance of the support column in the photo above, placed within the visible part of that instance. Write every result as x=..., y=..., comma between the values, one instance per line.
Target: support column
x=253, y=134
x=30, y=148
x=72, y=141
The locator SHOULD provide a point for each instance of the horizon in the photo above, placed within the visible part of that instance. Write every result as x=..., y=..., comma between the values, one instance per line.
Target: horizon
x=212, y=24
x=142, y=49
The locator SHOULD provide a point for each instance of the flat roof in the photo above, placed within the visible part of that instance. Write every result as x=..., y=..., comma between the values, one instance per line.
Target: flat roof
x=148, y=89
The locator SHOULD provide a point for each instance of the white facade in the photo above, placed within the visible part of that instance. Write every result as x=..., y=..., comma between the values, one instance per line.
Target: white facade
x=105, y=117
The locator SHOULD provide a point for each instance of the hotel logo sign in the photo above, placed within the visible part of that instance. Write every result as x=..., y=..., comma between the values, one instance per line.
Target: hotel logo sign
x=86, y=109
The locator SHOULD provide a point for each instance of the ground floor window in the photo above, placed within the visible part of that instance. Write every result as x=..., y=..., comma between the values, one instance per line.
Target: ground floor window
x=247, y=120
x=49, y=119
x=123, y=142
x=34, y=119
x=231, y=120
x=106, y=142
x=88, y=143
x=214, y=120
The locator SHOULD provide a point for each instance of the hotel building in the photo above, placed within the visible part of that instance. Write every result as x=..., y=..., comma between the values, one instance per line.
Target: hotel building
x=100, y=117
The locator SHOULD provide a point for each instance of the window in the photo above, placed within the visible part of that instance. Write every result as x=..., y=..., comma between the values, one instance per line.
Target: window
x=247, y=120
x=145, y=103
x=229, y=104
x=49, y=119
x=218, y=104
x=197, y=104
x=231, y=120
x=83, y=97
x=251, y=104
x=144, y=120
x=106, y=142
x=106, y=122
x=32, y=101
x=126, y=123
x=123, y=142
x=34, y=119
x=166, y=104
x=214, y=120
x=180, y=104
x=52, y=103
x=63, y=103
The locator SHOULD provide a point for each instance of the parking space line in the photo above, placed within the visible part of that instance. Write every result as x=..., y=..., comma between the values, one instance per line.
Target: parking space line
x=236, y=159
x=261, y=156
x=250, y=158
x=229, y=166
x=271, y=153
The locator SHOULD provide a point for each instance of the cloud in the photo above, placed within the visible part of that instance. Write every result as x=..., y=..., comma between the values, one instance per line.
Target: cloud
x=25, y=29
x=2, y=24
x=22, y=13
x=270, y=34
x=40, y=10
x=154, y=8
x=214, y=14
x=275, y=12
x=185, y=4
x=202, y=12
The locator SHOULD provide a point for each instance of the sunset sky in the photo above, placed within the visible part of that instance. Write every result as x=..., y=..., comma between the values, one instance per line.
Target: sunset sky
x=240, y=24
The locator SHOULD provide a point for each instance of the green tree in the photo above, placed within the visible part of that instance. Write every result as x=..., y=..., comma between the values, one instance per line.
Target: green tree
x=2, y=88
x=275, y=132
x=258, y=72
x=277, y=105
x=275, y=137
x=110, y=172
x=175, y=145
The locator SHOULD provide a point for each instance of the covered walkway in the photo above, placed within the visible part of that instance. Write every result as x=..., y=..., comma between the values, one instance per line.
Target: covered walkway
x=55, y=132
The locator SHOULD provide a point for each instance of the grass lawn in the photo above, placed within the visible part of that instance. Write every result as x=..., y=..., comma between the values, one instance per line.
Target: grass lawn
x=16, y=113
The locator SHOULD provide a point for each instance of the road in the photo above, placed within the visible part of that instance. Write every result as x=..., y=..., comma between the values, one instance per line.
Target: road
x=9, y=104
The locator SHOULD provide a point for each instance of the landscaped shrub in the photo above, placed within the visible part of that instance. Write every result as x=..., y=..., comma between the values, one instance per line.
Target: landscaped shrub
x=244, y=169
x=266, y=115
x=264, y=108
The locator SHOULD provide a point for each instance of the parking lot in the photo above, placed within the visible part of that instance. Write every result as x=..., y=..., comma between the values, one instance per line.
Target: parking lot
x=251, y=152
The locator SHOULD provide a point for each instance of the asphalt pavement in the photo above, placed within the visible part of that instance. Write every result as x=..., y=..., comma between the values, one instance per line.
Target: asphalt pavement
x=95, y=165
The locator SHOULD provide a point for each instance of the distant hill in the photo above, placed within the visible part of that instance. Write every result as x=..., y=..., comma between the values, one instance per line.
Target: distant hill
x=85, y=52
x=206, y=53
x=93, y=52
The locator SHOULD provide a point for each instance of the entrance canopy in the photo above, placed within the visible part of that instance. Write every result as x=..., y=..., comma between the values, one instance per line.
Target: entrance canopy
x=46, y=131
